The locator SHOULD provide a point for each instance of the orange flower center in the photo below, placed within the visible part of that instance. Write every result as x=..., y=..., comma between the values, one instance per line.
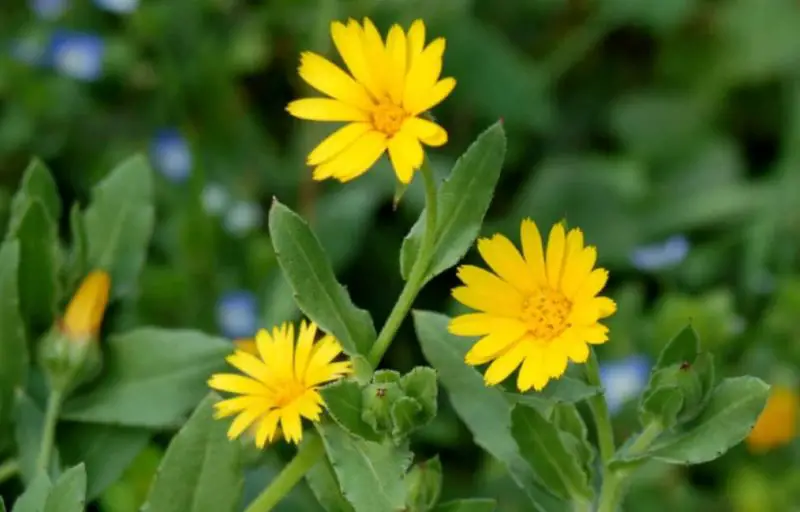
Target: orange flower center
x=288, y=393
x=546, y=311
x=388, y=118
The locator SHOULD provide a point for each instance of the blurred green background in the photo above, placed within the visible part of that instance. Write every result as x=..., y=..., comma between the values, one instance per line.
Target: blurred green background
x=669, y=131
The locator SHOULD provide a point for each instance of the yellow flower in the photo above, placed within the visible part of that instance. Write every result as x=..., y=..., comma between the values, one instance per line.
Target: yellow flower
x=280, y=384
x=539, y=310
x=85, y=311
x=777, y=423
x=246, y=345
x=389, y=87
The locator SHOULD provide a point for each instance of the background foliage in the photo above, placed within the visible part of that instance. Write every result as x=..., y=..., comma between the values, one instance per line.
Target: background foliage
x=637, y=121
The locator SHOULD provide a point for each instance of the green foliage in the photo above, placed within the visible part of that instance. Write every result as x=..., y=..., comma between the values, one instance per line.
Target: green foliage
x=200, y=470
x=13, y=347
x=470, y=505
x=424, y=485
x=66, y=495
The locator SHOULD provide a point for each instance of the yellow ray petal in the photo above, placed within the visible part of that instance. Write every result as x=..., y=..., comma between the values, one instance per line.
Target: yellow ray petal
x=475, y=324
x=291, y=425
x=423, y=74
x=495, y=343
x=325, y=109
x=592, y=285
x=237, y=384
x=397, y=58
x=555, y=255
x=578, y=269
x=234, y=405
x=267, y=427
x=575, y=348
x=406, y=154
x=428, y=99
x=596, y=334
x=354, y=160
x=249, y=365
x=572, y=249
x=337, y=142
x=426, y=131
x=555, y=359
x=532, y=374
x=501, y=255
x=302, y=352
x=245, y=419
x=504, y=365
x=328, y=78
x=348, y=42
x=416, y=41
x=532, y=250
x=375, y=52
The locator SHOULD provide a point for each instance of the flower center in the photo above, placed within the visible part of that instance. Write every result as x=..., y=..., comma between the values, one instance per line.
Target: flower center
x=546, y=311
x=388, y=118
x=288, y=393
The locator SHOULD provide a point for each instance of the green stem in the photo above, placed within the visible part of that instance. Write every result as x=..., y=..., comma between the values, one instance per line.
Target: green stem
x=307, y=456
x=599, y=408
x=49, y=432
x=416, y=278
x=8, y=469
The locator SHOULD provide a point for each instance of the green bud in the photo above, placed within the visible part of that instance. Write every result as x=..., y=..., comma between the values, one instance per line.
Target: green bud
x=69, y=362
x=424, y=485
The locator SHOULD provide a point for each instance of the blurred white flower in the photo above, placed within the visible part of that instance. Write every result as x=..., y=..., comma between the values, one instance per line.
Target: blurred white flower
x=658, y=256
x=624, y=379
x=77, y=55
x=48, y=9
x=237, y=315
x=171, y=155
x=215, y=198
x=118, y=6
x=242, y=218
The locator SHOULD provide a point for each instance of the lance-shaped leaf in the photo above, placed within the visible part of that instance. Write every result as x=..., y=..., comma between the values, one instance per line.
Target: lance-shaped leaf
x=13, y=348
x=69, y=492
x=468, y=505
x=317, y=293
x=37, y=185
x=344, y=400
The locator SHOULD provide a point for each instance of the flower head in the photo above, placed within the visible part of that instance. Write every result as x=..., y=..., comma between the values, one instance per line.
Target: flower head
x=236, y=314
x=215, y=198
x=661, y=255
x=390, y=86
x=171, y=155
x=777, y=424
x=86, y=309
x=77, y=55
x=242, y=217
x=538, y=309
x=280, y=384
x=624, y=379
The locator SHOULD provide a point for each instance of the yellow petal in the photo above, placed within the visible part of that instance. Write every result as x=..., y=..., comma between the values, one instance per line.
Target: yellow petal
x=406, y=154
x=501, y=255
x=494, y=294
x=305, y=345
x=572, y=249
x=416, y=41
x=596, y=334
x=555, y=254
x=504, y=365
x=555, y=359
x=577, y=271
x=376, y=55
x=532, y=374
x=575, y=348
x=337, y=142
x=325, y=109
x=426, y=100
x=397, y=56
x=263, y=343
x=532, y=250
x=593, y=284
x=245, y=419
x=234, y=405
x=308, y=405
x=246, y=345
x=348, y=42
x=472, y=324
x=267, y=427
x=605, y=306
x=354, y=160
x=328, y=78
x=291, y=425
x=426, y=131
x=249, y=364
x=236, y=384
x=84, y=314
x=495, y=344
x=423, y=74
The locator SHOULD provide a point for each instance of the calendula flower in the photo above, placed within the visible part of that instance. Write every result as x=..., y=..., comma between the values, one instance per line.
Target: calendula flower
x=280, y=383
x=777, y=424
x=390, y=86
x=538, y=309
x=85, y=311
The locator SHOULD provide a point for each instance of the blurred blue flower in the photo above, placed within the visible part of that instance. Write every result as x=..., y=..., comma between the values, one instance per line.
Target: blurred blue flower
x=215, y=198
x=661, y=255
x=237, y=315
x=77, y=54
x=624, y=379
x=48, y=9
x=118, y=6
x=171, y=155
x=242, y=218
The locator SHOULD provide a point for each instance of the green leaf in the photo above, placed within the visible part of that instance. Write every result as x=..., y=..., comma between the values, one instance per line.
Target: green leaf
x=105, y=450
x=345, y=403
x=563, y=390
x=201, y=469
x=485, y=410
x=424, y=485
x=406, y=416
x=323, y=484
x=2, y=505
x=682, y=348
x=39, y=265
x=313, y=281
x=119, y=223
x=34, y=498
x=76, y=267
x=37, y=185
x=462, y=202
x=152, y=378
x=576, y=436
x=541, y=445
x=662, y=405
x=468, y=505
x=13, y=347
x=370, y=474
x=386, y=377
x=420, y=384
x=29, y=425
x=69, y=492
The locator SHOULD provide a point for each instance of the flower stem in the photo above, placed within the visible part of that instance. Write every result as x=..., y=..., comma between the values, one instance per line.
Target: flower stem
x=307, y=456
x=599, y=408
x=416, y=278
x=8, y=469
x=49, y=430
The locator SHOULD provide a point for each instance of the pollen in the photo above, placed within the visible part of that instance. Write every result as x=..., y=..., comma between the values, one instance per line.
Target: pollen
x=545, y=313
x=387, y=118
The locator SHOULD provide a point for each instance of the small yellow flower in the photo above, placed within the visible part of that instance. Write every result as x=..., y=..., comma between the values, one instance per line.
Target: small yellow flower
x=389, y=87
x=538, y=309
x=280, y=384
x=777, y=424
x=85, y=312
